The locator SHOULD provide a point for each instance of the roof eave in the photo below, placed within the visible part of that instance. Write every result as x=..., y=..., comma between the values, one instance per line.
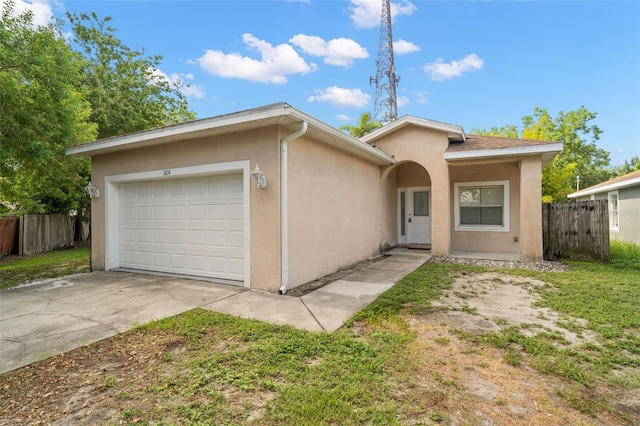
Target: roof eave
x=605, y=188
x=454, y=132
x=547, y=151
x=274, y=114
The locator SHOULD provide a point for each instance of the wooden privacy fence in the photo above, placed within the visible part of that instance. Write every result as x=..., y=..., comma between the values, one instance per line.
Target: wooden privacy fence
x=577, y=230
x=41, y=233
x=9, y=236
x=32, y=233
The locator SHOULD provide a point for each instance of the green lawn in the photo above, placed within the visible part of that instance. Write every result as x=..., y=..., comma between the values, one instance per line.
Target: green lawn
x=24, y=269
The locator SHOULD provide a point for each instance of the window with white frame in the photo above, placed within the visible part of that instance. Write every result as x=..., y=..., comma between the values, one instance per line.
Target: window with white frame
x=614, y=223
x=482, y=206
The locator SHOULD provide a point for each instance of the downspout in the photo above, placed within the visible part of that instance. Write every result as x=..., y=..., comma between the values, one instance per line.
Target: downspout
x=284, y=206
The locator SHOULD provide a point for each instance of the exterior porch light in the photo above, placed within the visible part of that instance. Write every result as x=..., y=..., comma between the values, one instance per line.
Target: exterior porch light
x=92, y=191
x=259, y=178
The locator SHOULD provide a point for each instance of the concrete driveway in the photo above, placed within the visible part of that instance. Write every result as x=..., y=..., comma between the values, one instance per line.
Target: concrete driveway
x=56, y=316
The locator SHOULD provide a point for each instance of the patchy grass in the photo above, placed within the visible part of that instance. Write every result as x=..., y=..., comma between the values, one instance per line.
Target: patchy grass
x=17, y=270
x=204, y=367
x=299, y=377
x=606, y=296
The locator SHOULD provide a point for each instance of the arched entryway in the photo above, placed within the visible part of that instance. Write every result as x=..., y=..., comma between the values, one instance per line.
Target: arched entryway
x=407, y=205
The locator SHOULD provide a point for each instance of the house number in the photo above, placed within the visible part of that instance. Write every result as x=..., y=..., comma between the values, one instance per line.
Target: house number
x=167, y=172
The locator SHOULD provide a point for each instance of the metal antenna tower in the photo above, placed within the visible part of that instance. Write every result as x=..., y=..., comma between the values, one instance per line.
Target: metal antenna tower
x=386, y=106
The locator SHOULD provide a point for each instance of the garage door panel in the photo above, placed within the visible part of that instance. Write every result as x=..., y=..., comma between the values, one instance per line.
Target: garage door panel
x=161, y=212
x=185, y=226
x=162, y=260
x=160, y=189
x=128, y=235
x=144, y=190
x=196, y=212
x=235, y=225
x=160, y=236
x=234, y=184
x=144, y=258
x=216, y=211
x=144, y=236
x=197, y=238
x=178, y=212
x=236, y=239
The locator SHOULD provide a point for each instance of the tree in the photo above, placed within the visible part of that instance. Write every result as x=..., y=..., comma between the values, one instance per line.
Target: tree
x=579, y=156
x=365, y=125
x=126, y=91
x=42, y=111
x=629, y=166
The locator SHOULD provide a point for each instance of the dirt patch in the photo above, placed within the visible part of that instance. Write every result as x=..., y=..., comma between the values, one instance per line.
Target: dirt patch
x=500, y=300
x=471, y=381
x=465, y=382
x=80, y=387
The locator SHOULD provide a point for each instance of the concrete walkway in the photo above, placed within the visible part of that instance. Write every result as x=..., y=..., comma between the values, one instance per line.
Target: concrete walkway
x=56, y=316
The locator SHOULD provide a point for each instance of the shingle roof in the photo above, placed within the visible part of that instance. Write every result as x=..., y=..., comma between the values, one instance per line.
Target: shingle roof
x=619, y=182
x=483, y=147
x=480, y=142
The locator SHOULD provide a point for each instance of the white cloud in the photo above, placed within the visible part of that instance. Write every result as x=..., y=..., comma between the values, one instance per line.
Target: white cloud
x=440, y=71
x=367, y=13
x=339, y=51
x=422, y=97
x=189, y=90
x=402, y=46
x=402, y=101
x=341, y=97
x=272, y=67
x=343, y=117
x=42, y=9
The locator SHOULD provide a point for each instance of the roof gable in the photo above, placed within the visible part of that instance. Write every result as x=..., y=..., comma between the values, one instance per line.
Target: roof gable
x=280, y=114
x=453, y=131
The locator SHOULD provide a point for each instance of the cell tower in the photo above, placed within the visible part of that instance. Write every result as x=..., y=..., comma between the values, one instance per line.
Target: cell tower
x=386, y=106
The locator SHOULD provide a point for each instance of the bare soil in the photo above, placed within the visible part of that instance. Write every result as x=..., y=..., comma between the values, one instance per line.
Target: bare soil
x=455, y=380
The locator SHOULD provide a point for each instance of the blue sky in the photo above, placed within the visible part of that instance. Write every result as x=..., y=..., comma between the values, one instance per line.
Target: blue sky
x=474, y=63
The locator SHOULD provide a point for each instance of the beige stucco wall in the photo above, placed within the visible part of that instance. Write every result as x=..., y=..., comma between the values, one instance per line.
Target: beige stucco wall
x=333, y=210
x=258, y=146
x=490, y=241
x=425, y=147
x=411, y=174
x=388, y=209
x=531, y=208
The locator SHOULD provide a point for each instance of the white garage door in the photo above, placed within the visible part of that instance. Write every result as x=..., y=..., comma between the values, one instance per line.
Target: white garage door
x=184, y=226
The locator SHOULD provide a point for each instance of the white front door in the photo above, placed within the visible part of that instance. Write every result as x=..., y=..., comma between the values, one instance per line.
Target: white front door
x=418, y=215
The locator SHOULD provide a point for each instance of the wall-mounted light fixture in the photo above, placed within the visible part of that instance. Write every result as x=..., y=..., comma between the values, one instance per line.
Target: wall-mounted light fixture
x=259, y=178
x=92, y=191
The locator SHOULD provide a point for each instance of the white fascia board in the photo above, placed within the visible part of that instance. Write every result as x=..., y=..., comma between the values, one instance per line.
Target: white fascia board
x=605, y=188
x=503, y=152
x=422, y=122
x=273, y=111
x=176, y=130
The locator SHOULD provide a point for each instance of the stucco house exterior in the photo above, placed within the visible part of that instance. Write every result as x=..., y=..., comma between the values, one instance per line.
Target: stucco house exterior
x=623, y=195
x=182, y=199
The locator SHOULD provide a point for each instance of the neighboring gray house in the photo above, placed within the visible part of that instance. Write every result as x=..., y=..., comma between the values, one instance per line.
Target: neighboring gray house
x=623, y=194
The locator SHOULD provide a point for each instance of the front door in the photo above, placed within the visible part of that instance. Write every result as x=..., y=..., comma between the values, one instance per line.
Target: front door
x=414, y=215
